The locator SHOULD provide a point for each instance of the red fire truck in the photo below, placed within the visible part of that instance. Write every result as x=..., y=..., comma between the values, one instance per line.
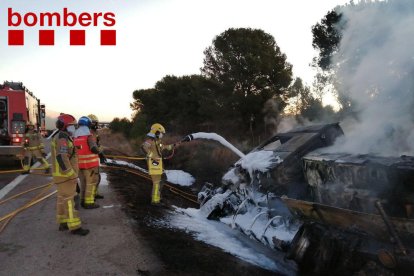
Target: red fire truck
x=18, y=107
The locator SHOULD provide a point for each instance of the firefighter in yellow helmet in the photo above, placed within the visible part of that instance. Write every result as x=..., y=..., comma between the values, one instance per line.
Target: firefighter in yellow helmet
x=64, y=172
x=34, y=146
x=153, y=149
x=95, y=134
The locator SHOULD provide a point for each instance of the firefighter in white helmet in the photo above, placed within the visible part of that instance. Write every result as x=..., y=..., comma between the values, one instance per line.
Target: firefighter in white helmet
x=65, y=174
x=153, y=149
x=34, y=147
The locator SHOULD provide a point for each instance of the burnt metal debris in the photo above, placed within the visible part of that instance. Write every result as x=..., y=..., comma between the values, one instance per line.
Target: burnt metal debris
x=357, y=211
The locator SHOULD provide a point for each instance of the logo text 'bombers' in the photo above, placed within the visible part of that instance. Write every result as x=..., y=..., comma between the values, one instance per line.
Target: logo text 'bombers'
x=64, y=19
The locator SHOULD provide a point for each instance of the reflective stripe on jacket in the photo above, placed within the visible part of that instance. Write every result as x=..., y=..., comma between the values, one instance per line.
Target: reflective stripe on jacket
x=153, y=149
x=63, y=156
x=34, y=141
x=86, y=158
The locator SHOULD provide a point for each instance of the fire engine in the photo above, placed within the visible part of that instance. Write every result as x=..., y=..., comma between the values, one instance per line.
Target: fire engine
x=18, y=108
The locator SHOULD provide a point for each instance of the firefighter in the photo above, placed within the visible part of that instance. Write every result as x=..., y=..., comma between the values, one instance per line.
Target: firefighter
x=94, y=132
x=34, y=147
x=64, y=172
x=88, y=154
x=153, y=148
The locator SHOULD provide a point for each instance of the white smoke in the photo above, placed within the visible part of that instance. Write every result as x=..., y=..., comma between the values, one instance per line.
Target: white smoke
x=375, y=66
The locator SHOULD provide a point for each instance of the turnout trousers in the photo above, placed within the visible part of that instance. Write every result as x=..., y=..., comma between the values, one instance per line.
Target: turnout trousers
x=38, y=155
x=89, y=179
x=157, y=183
x=65, y=207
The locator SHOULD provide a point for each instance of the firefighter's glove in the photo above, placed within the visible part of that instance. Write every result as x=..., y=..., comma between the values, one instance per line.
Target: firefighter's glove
x=102, y=158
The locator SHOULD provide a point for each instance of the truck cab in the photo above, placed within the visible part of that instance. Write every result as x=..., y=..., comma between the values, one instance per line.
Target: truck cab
x=18, y=107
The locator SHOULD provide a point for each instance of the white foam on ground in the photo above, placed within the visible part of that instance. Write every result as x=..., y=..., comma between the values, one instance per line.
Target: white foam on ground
x=179, y=177
x=104, y=179
x=210, y=232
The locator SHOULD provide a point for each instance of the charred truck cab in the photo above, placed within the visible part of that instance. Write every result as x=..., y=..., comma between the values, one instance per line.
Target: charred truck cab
x=360, y=217
x=18, y=107
x=355, y=212
x=286, y=178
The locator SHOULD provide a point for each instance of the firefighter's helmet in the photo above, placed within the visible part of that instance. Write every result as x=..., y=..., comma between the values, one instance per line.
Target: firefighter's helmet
x=157, y=129
x=95, y=121
x=64, y=120
x=30, y=126
x=93, y=118
x=85, y=121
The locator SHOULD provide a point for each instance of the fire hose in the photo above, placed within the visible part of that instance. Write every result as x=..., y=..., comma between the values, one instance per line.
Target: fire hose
x=22, y=169
x=38, y=198
x=185, y=195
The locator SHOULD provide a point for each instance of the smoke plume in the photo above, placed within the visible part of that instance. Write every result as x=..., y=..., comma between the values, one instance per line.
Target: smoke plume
x=375, y=67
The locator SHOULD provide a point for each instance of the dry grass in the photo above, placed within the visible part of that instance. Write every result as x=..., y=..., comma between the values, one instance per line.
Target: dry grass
x=116, y=143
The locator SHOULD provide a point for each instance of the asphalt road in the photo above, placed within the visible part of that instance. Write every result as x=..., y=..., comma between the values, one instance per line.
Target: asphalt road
x=7, y=178
x=122, y=241
x=32, y=245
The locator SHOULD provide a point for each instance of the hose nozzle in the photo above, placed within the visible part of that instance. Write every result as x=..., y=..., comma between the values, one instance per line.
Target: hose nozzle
x=187, y=138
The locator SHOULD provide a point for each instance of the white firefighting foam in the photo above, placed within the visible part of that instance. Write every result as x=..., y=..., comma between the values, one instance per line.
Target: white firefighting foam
x=212, y=232
x=218, y=138
x=174, y=176
x=254, y=161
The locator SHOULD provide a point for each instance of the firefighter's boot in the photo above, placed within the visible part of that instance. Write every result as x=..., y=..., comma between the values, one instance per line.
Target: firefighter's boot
x=80, y=232
x=90, y=206
x=63, y=226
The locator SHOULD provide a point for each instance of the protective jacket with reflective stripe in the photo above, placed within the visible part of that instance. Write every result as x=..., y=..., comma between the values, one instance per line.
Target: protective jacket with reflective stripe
x=34, y=141
x=153, y=149
x=63, y=156
x=86, y=158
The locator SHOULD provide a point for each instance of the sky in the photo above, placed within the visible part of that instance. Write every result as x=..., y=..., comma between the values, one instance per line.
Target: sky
x=154, y=39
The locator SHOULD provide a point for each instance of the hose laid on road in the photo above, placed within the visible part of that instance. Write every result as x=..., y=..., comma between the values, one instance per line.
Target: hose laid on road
x=12, y=171
x=125, y=157
x=38, y=198
x=188, y=196
x=24, y=192
x=22, y=169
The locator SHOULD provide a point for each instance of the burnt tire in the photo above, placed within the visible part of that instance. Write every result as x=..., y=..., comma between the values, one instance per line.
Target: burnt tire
x=314, y=250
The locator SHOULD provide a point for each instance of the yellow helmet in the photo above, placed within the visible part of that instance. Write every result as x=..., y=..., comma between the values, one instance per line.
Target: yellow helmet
x=157, y=128
x=93, y=117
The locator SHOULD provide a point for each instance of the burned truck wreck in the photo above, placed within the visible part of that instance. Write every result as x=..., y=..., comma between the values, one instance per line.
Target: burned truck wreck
x=353, y=212
x=360, y=216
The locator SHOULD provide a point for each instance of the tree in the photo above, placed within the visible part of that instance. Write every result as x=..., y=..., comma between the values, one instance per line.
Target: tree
x=121, y=125
x=179, y=103
x=252, y=69
x=307, y=105
x=326, y=37
x=299, y=97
